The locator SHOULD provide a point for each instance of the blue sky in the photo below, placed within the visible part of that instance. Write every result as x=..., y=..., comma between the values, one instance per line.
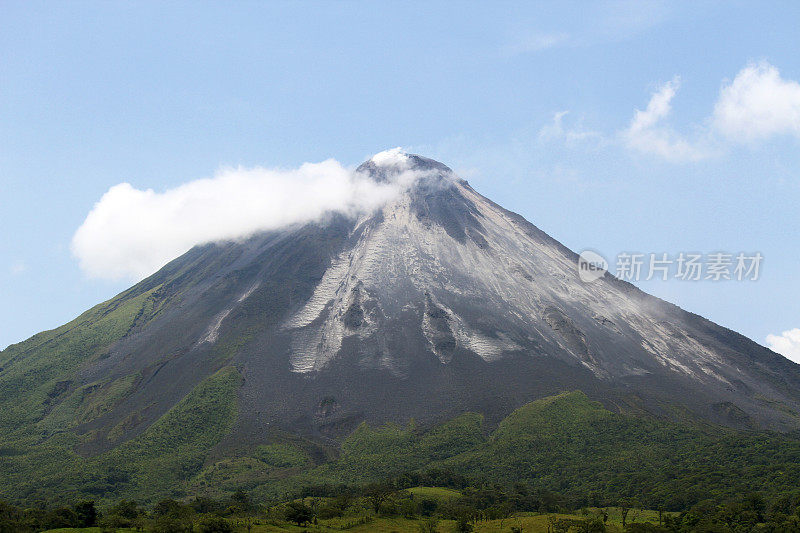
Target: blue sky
x=534, y=104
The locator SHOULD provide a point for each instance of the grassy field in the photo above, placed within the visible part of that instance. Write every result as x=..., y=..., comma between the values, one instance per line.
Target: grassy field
x=434, y=493
x=86, y=530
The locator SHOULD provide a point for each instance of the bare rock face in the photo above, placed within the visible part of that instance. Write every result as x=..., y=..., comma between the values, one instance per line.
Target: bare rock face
x=439, y=302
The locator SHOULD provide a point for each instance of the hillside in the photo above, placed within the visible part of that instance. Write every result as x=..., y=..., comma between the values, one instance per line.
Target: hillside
x=569, y=445
x=565, y=444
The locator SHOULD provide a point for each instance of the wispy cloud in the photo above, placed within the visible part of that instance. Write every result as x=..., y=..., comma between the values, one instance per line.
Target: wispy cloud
x=787, y=344
x=535, y=42
x=624, y=19
x=608, y=21
x=558, y=130
x=17, y=267
x=130, y=232
x=648, y=134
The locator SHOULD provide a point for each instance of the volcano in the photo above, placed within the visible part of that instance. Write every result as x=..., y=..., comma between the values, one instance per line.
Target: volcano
x=438, y=303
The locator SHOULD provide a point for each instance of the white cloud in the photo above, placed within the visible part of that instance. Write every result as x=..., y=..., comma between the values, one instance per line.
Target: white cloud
x=130, y=233
x=536, y=42
x=647, y=134
x=787, y=344
x=17, y=267
x=758, y=104
x=557, y=130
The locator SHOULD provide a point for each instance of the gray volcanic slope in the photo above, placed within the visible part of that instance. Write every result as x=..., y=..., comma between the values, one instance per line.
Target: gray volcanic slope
x=438, y=303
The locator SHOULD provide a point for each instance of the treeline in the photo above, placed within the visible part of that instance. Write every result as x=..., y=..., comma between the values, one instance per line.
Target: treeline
x=424, y=497
x=204, y=515
x=746, y=514
x=486, y=501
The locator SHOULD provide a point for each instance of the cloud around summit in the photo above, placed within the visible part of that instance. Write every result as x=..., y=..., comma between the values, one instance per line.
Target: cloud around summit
x=130, y=233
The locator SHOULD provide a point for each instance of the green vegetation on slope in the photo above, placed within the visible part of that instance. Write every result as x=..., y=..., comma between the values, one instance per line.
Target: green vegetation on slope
x=176, y=445
x=570, y=445
x=566, y=444
x=44, y=365
x=265, y=464
x=369, y=454
x=156, y=463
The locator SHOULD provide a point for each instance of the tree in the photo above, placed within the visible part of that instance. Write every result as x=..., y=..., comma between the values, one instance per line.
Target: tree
x=125, y=513
x=240, y=502
x=408, y=508
x=246, y=523
x=63, y=517
x=342, y=501
x=205, y=505
x=427, y=506
x=87, y=513
x=299, y=513
x=463, y=524
x=126, y=509
x=755, y=502
x=377, y=493
x=172, y=517
x=500, y=511
x=624, y=509
x=9, y=518
x=172, y=508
